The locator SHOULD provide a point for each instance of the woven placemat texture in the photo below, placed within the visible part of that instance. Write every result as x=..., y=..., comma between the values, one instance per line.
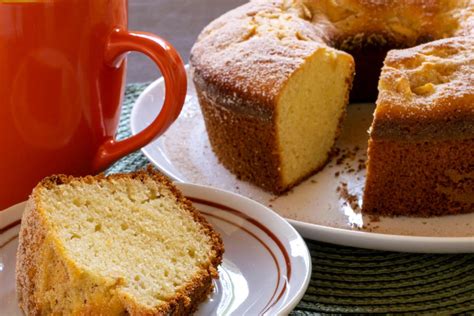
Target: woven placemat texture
x=359, y=281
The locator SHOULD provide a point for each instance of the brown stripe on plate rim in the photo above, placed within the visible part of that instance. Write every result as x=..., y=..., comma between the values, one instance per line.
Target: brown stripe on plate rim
x=264, y=245
x=261, y=227
x=8, y=227
x=8, y=241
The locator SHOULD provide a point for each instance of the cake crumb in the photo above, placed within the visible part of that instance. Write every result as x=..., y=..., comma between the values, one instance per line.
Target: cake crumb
x=374, y=218
x=349, y=199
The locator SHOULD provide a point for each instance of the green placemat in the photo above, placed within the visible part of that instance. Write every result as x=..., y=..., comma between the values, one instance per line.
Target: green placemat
x=359, y=281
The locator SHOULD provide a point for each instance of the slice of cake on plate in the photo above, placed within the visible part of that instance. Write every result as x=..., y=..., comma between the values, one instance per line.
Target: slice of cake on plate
x=116, y=245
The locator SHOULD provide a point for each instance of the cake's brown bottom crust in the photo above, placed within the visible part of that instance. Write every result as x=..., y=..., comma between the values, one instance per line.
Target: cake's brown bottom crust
x=420, y=178
x=243, y=144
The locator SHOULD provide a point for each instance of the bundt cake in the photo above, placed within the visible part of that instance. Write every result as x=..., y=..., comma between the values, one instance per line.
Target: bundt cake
x=127, y=244
x=421, y=147
x=273, y=77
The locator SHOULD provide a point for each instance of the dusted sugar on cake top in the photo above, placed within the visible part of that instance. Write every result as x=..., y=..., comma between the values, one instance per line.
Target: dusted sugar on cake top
x=421, y=147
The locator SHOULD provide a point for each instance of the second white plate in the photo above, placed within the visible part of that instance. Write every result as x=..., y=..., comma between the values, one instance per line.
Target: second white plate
x=325, y=207
x=266, y=266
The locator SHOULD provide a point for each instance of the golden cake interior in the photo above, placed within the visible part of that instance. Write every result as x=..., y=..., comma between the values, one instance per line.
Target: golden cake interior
x=128, y=236
x=309, y=111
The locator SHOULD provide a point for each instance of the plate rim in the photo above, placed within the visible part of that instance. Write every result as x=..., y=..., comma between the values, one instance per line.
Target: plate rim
x=289, y=302
x=387, y=242
x=317, y=232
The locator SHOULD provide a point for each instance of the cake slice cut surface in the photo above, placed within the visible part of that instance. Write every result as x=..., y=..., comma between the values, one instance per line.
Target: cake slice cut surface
x=123, y=244
x=310, y=110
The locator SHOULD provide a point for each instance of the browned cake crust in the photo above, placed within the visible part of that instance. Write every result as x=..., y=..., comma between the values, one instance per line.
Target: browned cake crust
x=421, y=148
x=243, y=144
x=38, y=256
x=420, y=178
x=242, y=60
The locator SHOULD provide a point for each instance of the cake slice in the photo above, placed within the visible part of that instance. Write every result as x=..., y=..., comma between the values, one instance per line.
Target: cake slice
x=272, y=93
x=421, y=147
x=126, y=244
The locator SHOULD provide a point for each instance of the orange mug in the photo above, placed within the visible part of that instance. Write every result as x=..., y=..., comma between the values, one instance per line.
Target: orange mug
x=62, y=68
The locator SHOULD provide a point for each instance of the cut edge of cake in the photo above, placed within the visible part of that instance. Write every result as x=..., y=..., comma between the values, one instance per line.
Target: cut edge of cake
x=309, y=113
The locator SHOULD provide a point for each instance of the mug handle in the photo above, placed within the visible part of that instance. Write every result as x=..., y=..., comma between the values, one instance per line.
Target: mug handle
x=172, y=68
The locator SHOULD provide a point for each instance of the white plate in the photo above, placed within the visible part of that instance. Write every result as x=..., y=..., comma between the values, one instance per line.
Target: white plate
x=266, y=267
x=320, y=208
